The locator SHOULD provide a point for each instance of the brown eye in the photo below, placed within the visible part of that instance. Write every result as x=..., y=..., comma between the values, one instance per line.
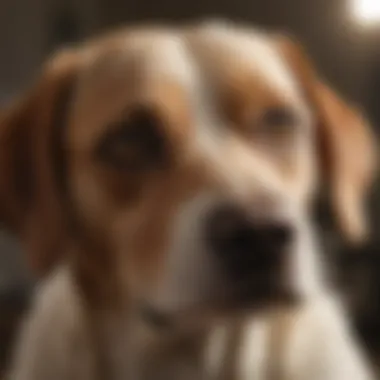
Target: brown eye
x=134, y=144
x=278, y=122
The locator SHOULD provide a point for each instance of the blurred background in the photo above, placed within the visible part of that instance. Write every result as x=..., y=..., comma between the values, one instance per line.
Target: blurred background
x=342, y=37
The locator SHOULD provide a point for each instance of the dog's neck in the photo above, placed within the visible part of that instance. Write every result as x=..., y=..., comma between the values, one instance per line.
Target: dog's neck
x=132, y=350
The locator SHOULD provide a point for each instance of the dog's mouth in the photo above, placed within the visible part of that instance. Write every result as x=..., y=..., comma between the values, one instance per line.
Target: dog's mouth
x=241, y=300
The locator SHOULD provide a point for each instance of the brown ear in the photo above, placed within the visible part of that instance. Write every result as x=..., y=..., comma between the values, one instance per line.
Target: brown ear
x=347, y=148
x=29, y=197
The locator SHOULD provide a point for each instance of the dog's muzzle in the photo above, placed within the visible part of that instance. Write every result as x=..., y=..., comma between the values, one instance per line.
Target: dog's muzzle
x=252, y=252
x=243, y=264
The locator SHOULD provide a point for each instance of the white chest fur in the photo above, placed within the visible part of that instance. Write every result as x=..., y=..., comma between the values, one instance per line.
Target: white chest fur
x=55, y=343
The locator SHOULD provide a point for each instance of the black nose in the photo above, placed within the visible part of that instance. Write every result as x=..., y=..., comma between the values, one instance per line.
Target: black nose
x=246, y=246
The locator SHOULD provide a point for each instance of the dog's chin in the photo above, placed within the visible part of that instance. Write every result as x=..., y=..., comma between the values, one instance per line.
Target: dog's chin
x=207, y=313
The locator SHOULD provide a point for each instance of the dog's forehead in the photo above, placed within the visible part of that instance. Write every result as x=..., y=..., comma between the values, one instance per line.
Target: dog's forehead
x=150, y=55
x=248, y=52
x=138, y=64
x=174, y=54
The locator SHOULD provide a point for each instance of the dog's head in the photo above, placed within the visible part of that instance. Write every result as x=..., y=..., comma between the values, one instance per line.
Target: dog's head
x=176, y=169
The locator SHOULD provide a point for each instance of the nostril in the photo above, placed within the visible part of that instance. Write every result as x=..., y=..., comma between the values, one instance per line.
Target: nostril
x=228, y=225
x=280, y=234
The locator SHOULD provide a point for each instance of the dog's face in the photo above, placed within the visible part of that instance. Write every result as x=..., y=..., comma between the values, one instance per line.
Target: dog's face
x=187, y=162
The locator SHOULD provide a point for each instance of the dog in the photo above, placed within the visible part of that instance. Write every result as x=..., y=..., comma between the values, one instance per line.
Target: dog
x=161, y=180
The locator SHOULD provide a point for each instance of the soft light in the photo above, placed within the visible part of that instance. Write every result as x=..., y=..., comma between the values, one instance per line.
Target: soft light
x=367, y=11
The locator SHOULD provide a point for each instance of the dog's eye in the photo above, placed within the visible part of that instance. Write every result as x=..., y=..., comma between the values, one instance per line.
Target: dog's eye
x=135, y=143
x=278, y=122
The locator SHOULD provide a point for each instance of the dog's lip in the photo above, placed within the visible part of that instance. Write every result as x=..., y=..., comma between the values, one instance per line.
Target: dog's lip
x=242, y=304
x=155, y=317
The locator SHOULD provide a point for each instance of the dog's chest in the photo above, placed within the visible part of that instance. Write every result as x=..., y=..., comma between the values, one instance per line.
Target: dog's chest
x=237, y=352
x=228, y=353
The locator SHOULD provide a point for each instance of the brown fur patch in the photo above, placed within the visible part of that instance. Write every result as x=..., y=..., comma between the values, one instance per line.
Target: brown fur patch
x=348, y=153
x=29, y=193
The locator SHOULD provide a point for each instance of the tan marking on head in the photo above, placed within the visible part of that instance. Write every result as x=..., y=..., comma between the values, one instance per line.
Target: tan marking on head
x=248, y=77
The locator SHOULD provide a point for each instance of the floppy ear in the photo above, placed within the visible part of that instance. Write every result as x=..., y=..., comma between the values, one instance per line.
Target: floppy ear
x=347, y=150
x=29, y=196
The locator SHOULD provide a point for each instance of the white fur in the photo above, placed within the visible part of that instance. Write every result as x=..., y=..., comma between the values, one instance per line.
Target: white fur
x=322, y=345
x=53, y=340
x=188, y=270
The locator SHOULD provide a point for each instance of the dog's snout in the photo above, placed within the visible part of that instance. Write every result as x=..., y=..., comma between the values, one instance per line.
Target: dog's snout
x=246, y=245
